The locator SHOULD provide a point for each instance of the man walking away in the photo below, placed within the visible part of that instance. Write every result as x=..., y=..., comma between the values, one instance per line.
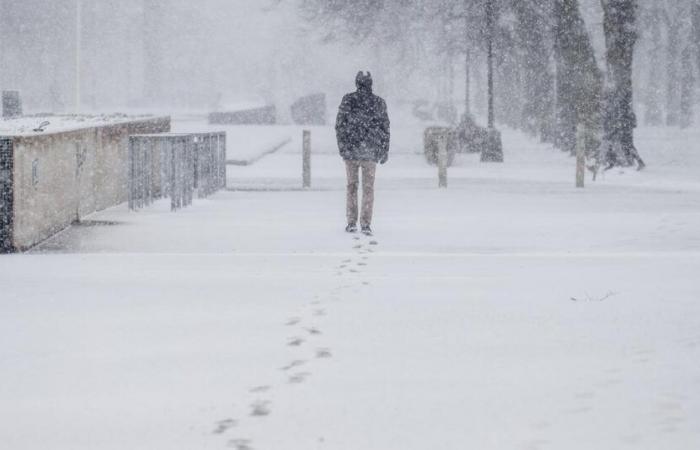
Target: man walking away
x=362, y=130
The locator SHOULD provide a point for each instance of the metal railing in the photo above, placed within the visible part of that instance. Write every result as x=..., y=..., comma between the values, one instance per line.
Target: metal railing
x=175, y=165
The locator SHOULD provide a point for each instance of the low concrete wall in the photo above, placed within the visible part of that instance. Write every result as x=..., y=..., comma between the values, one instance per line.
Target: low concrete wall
x=59, y=178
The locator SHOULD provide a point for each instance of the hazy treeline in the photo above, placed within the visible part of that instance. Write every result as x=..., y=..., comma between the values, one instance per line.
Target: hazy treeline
x=559, y=63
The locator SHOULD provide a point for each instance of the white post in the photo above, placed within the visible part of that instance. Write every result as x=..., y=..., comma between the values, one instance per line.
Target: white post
x=442, y=159
x=306, y=159
x=580, y=156
x=78, y=44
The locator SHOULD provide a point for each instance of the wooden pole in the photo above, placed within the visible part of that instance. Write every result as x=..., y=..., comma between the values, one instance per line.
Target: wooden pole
x=442, y=159
x=306, y=159
x=580, y=156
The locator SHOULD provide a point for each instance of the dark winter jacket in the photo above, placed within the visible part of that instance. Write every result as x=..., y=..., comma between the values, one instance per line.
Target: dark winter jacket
x=362, y=125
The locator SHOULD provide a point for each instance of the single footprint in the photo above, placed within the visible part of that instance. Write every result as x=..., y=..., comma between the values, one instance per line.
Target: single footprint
x=260, y=408
x=223, y=426
x=358, y=246
x=535, y=444
x=644, y=352
x=373, y=243
x=320, y=312
x=585, y=395
x=347, y=261
x=295, y=342
x=292, y=321
x=313, y=331
x=579, y=410
x=353, y=271
x=541, y=425
x=240, y=444
x=609, y=382
x=366, y=283
x=293, y=364
x=631, y=439
x=361, y=264
x=671, y=421
x=323, y=353
x=298, y=378
x=669, y=406
x=258, y=389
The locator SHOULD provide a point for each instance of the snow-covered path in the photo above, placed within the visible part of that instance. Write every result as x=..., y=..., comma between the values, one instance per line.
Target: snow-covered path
x=509, y=311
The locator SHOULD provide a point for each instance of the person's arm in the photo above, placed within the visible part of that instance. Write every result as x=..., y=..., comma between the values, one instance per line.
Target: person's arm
x=385, y=133
x=341, y=126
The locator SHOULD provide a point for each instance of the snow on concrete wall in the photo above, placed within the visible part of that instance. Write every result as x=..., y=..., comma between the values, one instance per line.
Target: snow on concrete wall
x=60, y=177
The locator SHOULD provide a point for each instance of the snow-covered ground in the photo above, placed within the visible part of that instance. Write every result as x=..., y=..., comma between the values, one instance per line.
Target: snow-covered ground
x=509, y=311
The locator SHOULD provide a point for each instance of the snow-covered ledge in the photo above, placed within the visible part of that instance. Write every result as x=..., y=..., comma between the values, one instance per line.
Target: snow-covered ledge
x=53, y=174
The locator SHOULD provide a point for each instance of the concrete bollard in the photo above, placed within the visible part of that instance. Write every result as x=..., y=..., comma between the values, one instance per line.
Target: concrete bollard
x=442, y=160
x=306, y=159
x=11, y=104
x=580, y=156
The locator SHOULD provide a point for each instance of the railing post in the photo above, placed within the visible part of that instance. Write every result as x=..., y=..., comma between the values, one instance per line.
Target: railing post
x=131, y=173
x=140, y=176
x=173, y=174
x=222, y=149
x=442, y=159
x=580, y=156
x=306, y=157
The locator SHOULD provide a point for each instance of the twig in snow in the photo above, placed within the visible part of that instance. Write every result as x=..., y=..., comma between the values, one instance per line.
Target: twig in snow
x=588, y=298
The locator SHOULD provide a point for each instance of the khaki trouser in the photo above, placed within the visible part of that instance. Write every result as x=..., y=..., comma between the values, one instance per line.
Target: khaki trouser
x=353, y=171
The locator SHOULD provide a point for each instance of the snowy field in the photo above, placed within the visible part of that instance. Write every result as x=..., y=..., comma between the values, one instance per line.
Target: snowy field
x=509, y=311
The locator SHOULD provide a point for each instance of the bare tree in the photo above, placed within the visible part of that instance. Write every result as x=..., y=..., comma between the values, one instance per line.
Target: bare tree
x=578, y=78
x=696, y=30
x=653, y=113
x=619, y=24
x=672, y=16
x=534, y=59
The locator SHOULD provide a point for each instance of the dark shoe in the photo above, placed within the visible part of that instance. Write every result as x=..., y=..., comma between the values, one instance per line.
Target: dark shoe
x=351, y=228
x=366, y=230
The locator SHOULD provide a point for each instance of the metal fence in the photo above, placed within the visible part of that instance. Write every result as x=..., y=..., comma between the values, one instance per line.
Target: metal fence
x=175, y=166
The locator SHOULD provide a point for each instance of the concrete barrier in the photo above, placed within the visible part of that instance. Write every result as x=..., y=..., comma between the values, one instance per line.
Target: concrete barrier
x=48, y=181
x=309, y=110
x=264, y=115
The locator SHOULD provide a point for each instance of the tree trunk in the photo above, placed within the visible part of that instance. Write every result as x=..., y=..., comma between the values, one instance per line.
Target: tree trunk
x=619, y=25
x=652, y=111
x=687, y=87
x=672, y=56
x=467, y=85
x=695, y=14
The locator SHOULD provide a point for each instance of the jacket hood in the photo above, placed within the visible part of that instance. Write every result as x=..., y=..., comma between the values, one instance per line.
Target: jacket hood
x=364, y=82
